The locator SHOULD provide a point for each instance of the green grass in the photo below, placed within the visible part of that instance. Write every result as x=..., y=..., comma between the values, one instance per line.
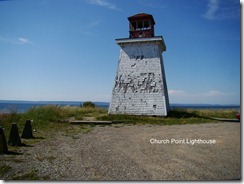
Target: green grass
x=176, y=116
x=74, y=130
x=223, y=113
x=31, y=175
x=4, y=169
x=49, y=119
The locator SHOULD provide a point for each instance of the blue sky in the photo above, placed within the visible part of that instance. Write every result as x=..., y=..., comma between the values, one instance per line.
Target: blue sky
x=65, y=49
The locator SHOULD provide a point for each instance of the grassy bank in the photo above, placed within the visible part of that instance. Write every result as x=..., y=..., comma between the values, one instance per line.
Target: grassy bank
x=52, y=117
x=48, y=118
x=176, y=116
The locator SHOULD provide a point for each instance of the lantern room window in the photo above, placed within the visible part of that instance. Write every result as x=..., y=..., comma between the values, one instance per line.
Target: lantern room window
x=141, y=25
x=146, y=25
x=134, y=26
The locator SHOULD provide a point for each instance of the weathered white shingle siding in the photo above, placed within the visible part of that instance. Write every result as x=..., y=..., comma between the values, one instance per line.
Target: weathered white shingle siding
x=140, y=85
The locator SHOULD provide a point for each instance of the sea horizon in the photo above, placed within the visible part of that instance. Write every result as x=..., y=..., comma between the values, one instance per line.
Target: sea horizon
x=76, y=101
x=22, y=106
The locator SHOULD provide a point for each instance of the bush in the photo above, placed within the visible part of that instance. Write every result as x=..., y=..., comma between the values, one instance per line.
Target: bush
x=89, y=104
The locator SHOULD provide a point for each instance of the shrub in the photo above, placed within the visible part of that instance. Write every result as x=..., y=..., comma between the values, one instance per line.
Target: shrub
x=89, y=104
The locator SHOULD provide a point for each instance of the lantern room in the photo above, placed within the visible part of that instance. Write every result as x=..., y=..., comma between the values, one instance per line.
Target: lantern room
x=141, y=26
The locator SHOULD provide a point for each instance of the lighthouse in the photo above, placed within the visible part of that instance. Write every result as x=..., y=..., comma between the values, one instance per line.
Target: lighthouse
x=140, y=86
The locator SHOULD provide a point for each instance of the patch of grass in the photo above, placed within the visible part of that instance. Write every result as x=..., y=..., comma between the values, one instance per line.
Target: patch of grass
x=32, y=175
x=79, y=117
x=74, y=130
x=80, y=112
x=50, y=119
x=48, y=158
x=4, y=169
x=218, y=113
x=87, y=129
x=36, y=139
x=14, y=159
x=47, y=120
x=176, y=116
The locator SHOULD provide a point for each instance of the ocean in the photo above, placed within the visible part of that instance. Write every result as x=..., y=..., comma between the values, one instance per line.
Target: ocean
x=7, y=106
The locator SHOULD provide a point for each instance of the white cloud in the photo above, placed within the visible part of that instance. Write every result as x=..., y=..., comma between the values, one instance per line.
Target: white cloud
x=213, y=6
x=88, y=28
x=92, y=24
x=174, y=92
x=211, y=97
x=214, y=93
x=15, y=41
x=219, y=10
x=152, y=3
x=23, y=41
x=211, y=93
x=103, y=3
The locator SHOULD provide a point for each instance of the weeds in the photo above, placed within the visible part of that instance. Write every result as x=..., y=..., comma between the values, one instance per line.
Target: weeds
x=48, y=119
x=74, y=130
x=4, y=169
x=176, y=116
x=32, y=175
x=48, y=158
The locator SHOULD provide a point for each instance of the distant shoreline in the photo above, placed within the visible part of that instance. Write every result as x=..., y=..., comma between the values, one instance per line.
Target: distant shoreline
x=19, y=106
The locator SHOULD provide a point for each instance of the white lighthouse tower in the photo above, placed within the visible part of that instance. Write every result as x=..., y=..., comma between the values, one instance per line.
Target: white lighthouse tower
x=140, y=85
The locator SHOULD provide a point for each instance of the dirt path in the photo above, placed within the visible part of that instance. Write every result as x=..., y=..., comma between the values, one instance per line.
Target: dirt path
x=124, y=152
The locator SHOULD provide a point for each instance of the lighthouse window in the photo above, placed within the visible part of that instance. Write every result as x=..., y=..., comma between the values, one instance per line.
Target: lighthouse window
x=146, y=24
x=133, y=25
x=140, y=25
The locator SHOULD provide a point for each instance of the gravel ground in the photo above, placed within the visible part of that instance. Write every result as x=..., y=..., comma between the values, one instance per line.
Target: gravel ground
x=124, y=152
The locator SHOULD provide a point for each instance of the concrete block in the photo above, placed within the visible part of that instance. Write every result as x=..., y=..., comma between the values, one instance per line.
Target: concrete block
x=27, y=132
x=3, y=143
x=14, y=138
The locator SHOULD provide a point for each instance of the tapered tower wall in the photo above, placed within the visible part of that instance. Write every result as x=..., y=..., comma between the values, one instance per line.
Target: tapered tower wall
x=140, y=85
